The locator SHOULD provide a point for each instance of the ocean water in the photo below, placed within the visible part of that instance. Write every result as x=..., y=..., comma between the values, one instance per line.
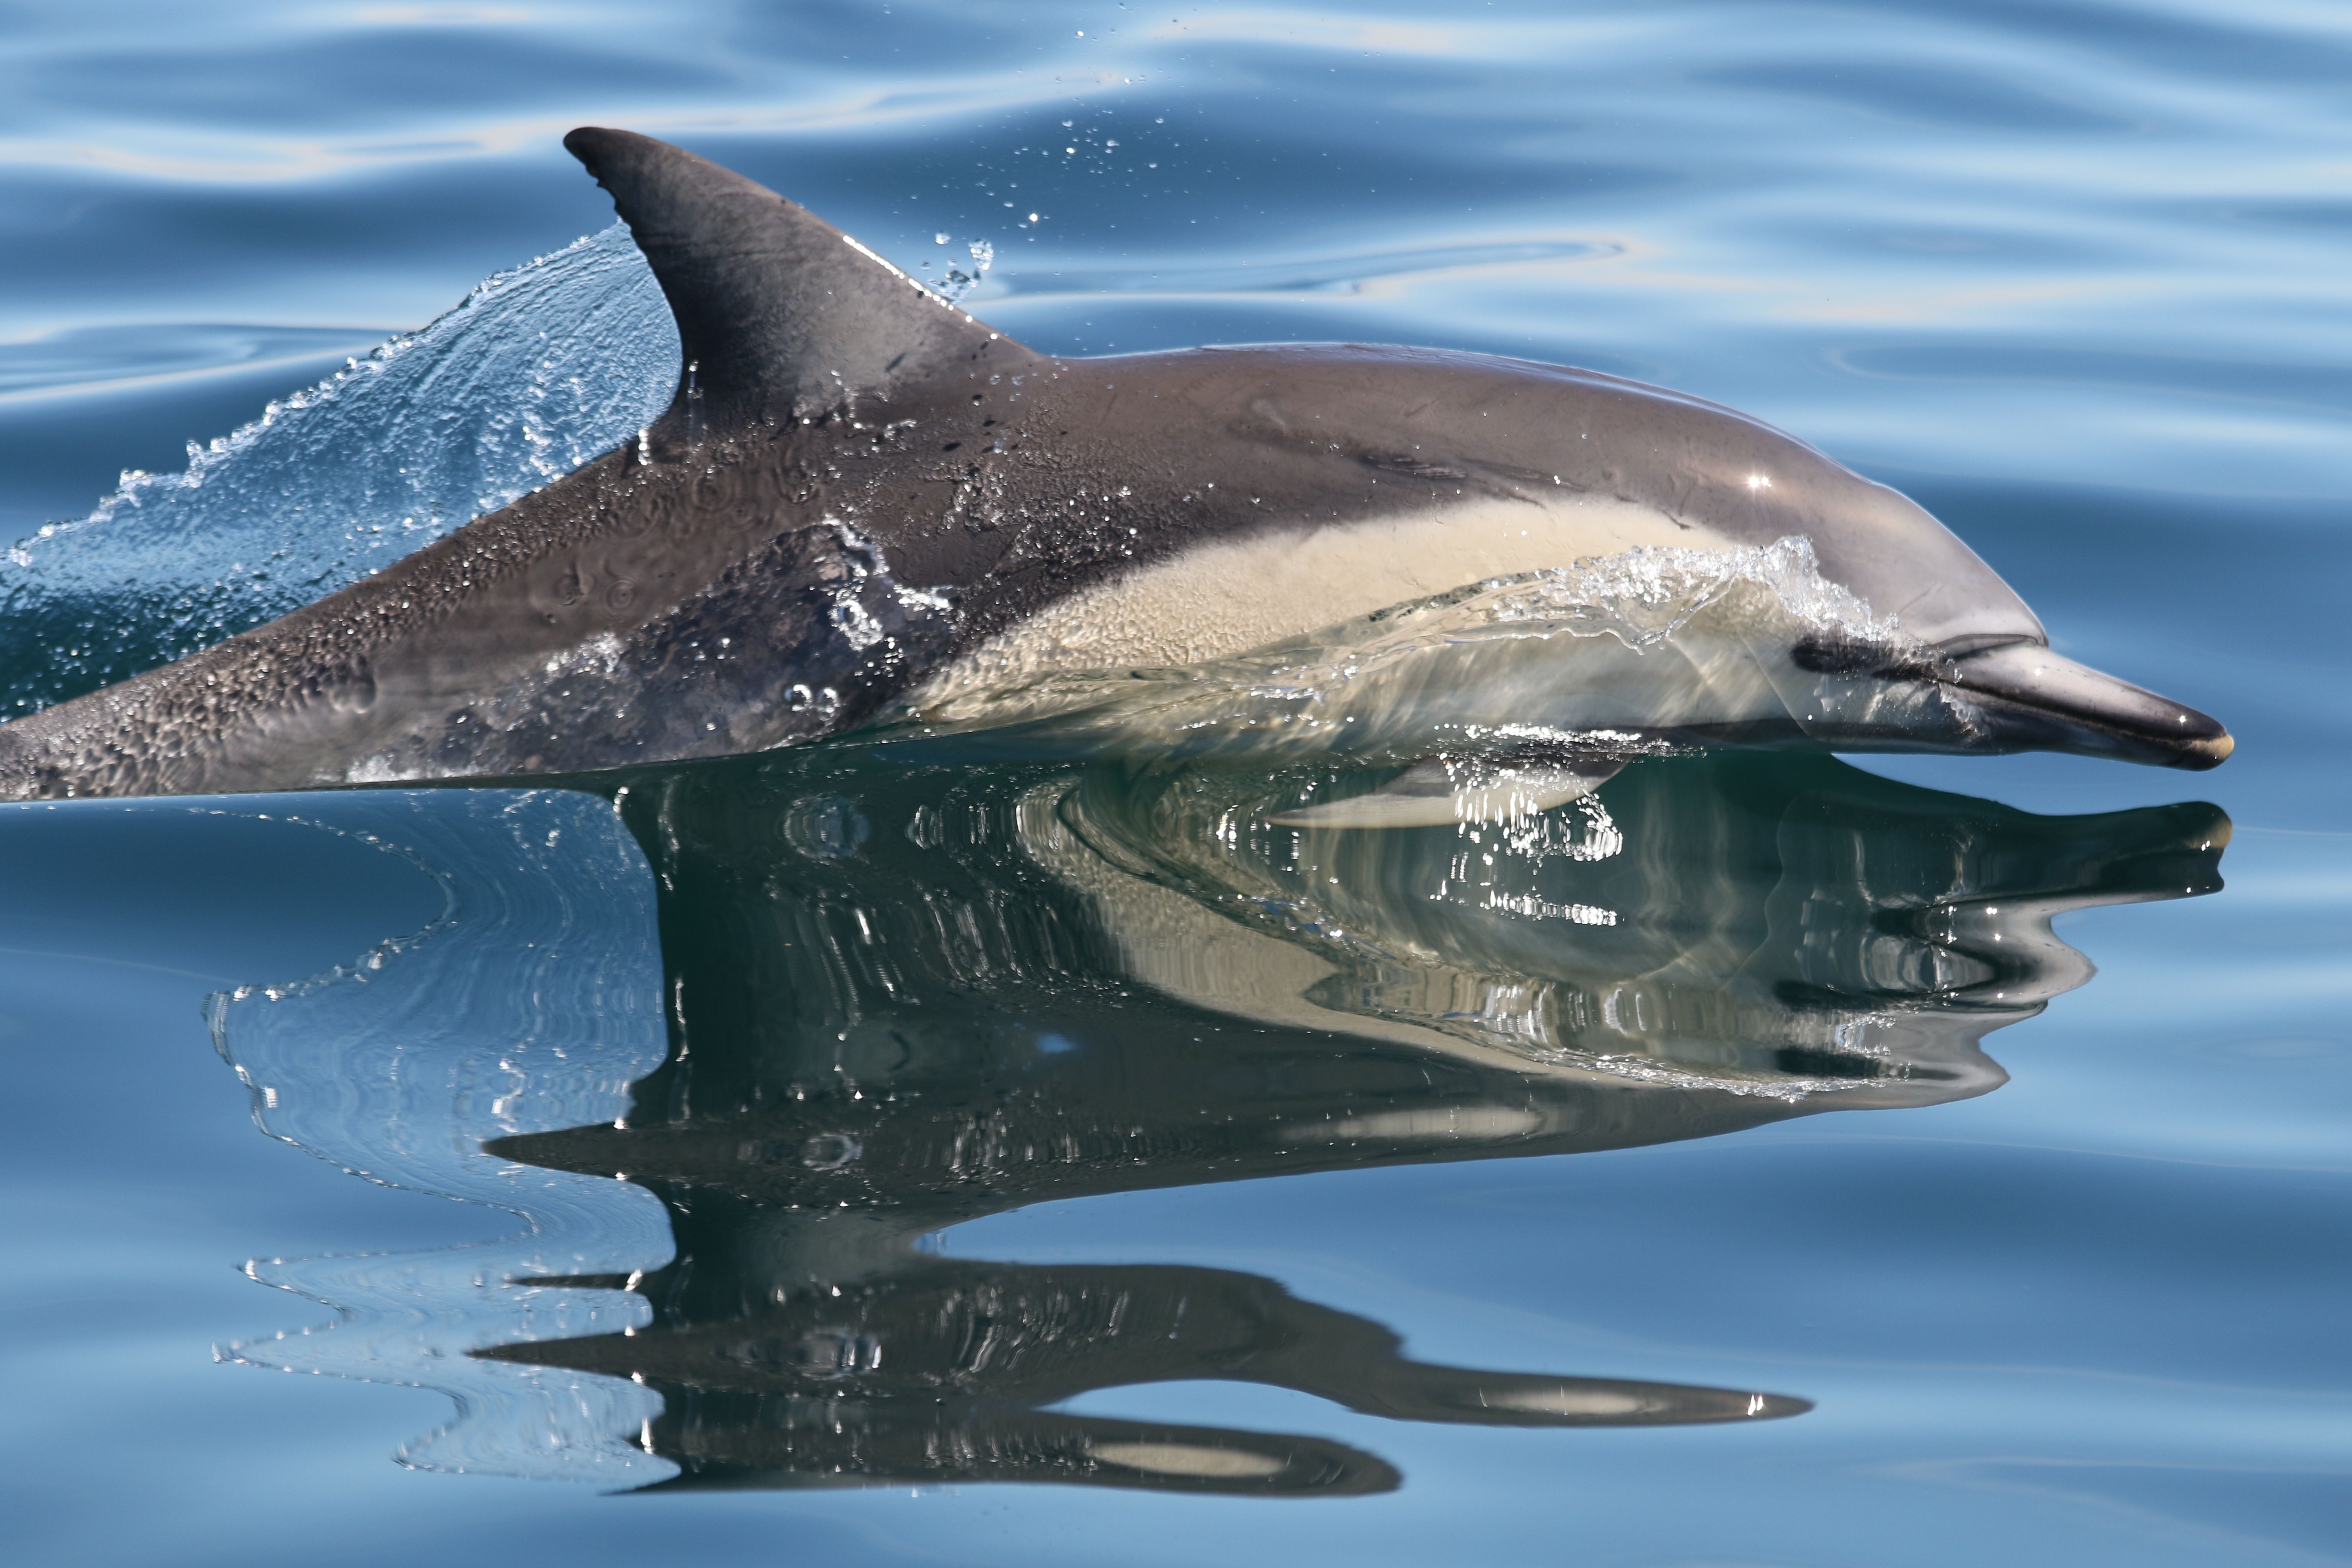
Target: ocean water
x=831, y=1158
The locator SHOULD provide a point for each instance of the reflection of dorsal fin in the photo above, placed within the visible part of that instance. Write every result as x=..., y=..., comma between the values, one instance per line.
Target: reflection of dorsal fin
x=778, y=314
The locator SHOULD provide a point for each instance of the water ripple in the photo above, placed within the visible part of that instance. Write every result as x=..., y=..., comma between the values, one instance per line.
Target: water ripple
x=527, y=1007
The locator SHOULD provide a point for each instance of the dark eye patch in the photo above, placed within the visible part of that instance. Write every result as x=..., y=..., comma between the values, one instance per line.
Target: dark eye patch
x=1842, y=653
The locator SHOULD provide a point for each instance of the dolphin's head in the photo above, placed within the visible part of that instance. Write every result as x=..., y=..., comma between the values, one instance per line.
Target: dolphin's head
x=1956, y=661
x=1926, y=647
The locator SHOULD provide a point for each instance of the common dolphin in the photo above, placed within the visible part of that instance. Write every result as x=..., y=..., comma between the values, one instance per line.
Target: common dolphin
x=865, y=504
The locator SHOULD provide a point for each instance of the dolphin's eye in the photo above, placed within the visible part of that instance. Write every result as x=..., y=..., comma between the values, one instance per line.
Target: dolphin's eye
x=1842, y=653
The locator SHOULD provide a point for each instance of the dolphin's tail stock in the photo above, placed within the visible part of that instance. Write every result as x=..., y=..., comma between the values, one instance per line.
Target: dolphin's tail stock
x=781, y=316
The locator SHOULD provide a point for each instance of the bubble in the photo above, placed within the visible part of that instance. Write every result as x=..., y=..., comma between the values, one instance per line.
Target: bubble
x=826, y=827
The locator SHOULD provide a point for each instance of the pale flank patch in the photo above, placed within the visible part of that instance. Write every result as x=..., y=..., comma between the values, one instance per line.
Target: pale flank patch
x=1595, y=1404
x=1186, y=1460
x=1483, y=1123
x=1229, y=596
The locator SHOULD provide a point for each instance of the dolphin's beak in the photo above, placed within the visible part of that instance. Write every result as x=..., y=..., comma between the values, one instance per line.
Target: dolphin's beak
x=2030, y=699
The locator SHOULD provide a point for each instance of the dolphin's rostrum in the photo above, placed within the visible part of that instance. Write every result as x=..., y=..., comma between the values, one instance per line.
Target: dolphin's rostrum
x=863, y=504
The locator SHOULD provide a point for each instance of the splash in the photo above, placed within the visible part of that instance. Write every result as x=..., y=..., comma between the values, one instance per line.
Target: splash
x=529, y=1006
x=955, y=283
x=537, y=371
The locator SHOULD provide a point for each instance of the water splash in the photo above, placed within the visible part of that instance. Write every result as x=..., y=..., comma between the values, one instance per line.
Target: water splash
x=1609, y=654
x=537, y=371
x=529, y=1006
x=955, y=283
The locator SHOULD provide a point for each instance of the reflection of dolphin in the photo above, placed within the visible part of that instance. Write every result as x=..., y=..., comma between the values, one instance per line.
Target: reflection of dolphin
x=908, y=999
x=1786, y=926
x=861, y=496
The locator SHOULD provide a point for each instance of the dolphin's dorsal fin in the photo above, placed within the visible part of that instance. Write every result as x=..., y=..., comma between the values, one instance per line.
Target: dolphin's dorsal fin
x=780, y=314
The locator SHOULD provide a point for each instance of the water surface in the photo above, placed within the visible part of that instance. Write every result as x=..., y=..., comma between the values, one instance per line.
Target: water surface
x=849, y=1156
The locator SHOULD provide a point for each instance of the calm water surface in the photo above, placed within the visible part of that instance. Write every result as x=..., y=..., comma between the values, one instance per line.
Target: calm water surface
x=847, y=1157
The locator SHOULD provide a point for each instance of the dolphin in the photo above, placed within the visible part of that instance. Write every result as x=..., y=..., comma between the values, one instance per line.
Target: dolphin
x=866, y=507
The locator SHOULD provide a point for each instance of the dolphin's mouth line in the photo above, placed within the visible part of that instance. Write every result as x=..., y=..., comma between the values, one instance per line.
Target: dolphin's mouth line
x=2016, y=694
x=2032, y=697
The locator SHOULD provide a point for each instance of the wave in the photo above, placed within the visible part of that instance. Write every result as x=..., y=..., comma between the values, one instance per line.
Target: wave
x=537, y=371
x=529, y=1006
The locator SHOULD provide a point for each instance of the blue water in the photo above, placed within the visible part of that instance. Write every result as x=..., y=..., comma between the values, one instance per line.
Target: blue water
x=1026, y=1063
